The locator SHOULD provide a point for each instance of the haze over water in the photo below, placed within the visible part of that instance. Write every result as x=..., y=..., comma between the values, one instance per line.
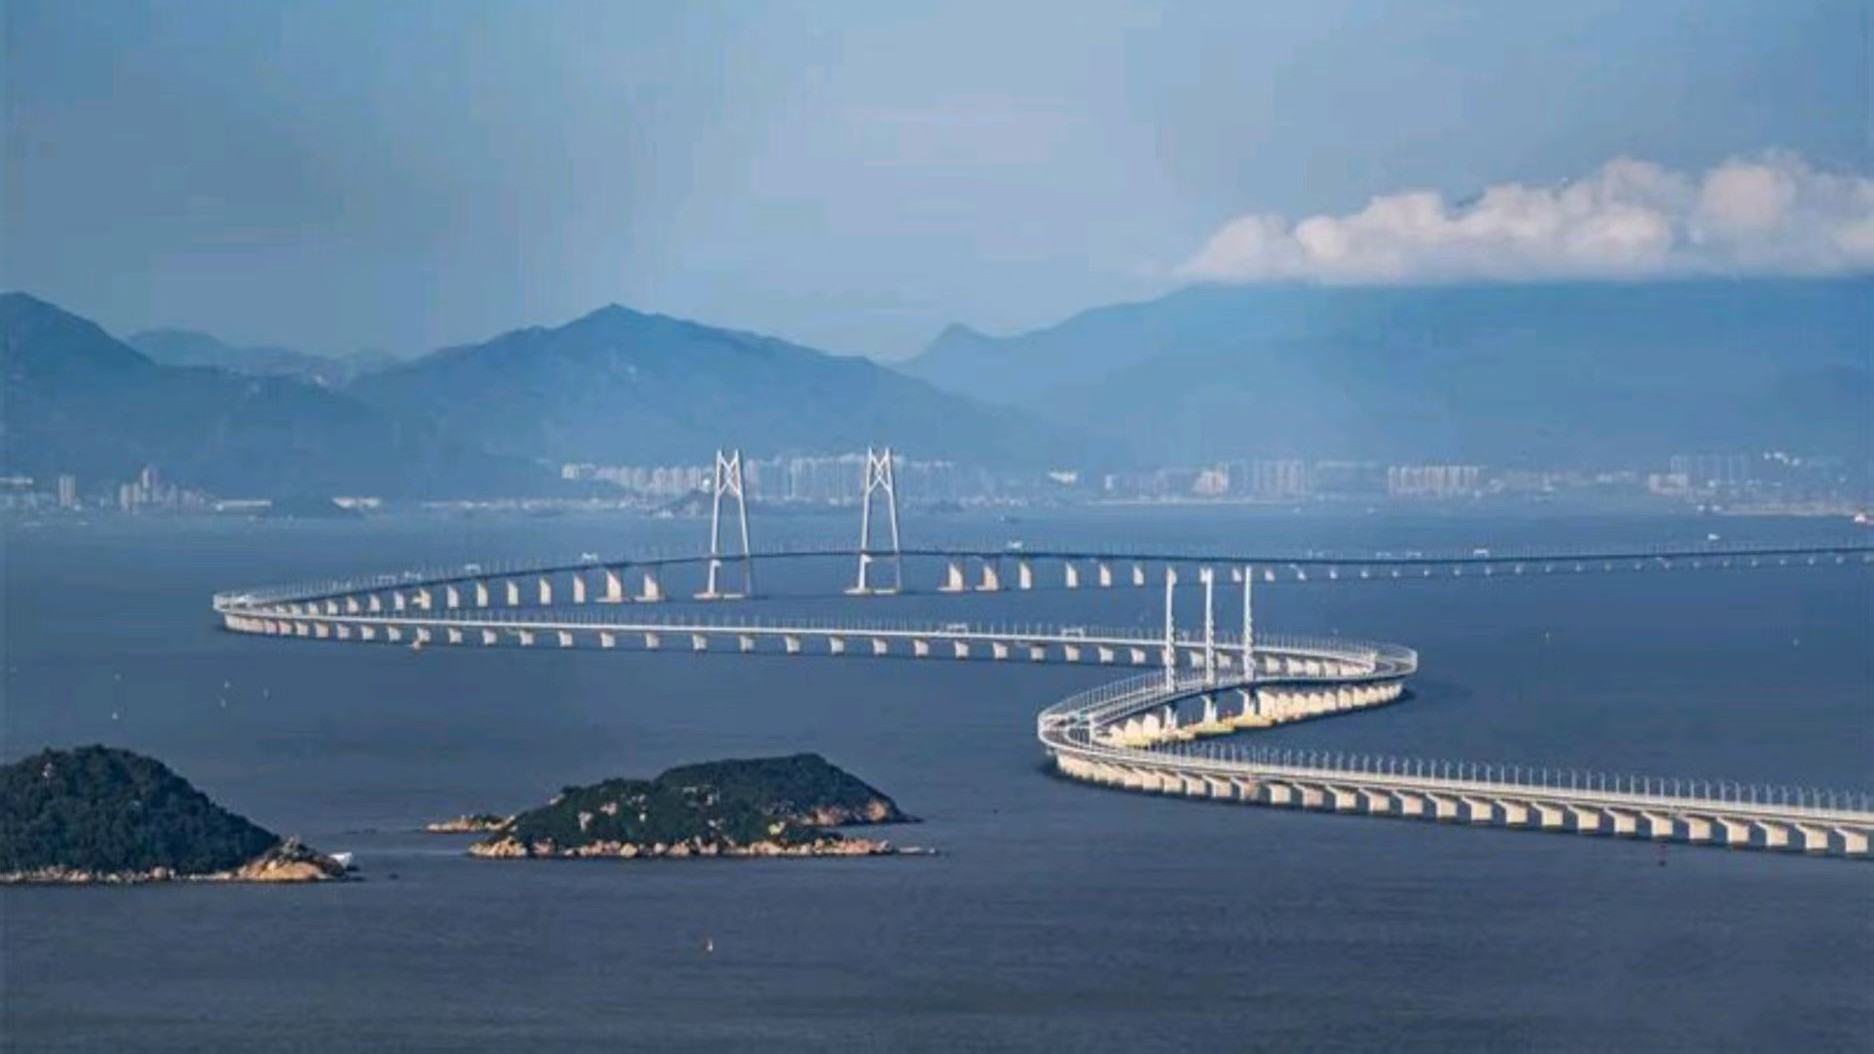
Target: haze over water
x=1055, y=913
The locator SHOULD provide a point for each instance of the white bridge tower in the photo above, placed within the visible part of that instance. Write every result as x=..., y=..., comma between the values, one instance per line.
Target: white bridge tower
x=878, y=480
x=728, y=483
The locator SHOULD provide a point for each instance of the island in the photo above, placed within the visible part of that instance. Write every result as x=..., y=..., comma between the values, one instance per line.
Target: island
x=102, y=815
x=779, y=806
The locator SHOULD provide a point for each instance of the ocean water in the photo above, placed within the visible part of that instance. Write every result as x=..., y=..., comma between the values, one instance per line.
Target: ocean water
x=1054, y=915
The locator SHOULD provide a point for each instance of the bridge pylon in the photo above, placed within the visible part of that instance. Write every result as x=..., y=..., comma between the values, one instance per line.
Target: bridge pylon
x=1170, y=654
x=878, y=481
x=727, y=482
x=1249, y=625
x=1209, y=577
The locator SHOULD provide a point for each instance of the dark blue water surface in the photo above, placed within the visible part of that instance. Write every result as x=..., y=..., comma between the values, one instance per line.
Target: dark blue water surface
x=1056, y=915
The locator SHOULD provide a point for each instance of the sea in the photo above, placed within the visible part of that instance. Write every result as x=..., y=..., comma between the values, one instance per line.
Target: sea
x=1052, y=914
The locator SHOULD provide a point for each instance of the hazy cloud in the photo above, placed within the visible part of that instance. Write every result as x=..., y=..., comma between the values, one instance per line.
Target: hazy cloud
x=1769, y=215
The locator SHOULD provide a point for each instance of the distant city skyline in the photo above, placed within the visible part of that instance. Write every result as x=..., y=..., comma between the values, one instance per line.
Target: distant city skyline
x=857, y=178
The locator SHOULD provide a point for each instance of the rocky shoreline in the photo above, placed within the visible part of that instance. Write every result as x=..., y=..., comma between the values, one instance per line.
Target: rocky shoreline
x=288, y=862
x=511, y=848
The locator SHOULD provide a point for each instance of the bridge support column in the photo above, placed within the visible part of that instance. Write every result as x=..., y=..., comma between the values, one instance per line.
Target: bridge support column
x=1024, y=575
x=953, y=578
x=1376, y=802
x=1105, y=573
x=1854, y=841
x=1587, y=820
x=652, y=642
x=1515, y=813
x=1071, y=575
x=579, y=587
x=614, y=588
x=1814, y=839
x=1311, y=796
x=1697, y=829
x=545, y=586
x=1280, y=793
x=653, y=589
x=1444, y=807
x=992, y=577
x=1549, y=817
x=481, y=594
x=1736, y=832
x=1775, y=835
x=1626, y=824
x=451, y=597
x=455, y=635
x=1410, y=804
x=1659, y=826
x=1479, y=810
x=513, y=593
x=489, y=638
x=920, y=648
x=1345, y=799
x=607, y=640
x=1247, y=788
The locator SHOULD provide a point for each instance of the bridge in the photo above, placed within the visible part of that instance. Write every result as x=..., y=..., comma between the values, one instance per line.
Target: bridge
x=1171, y=730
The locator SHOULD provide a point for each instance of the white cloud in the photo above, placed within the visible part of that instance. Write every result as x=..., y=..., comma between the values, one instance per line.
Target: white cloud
x=1770, y=215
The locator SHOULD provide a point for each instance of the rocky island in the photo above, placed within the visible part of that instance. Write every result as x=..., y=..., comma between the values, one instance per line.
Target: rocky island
x=98, y=814
x=783, y=806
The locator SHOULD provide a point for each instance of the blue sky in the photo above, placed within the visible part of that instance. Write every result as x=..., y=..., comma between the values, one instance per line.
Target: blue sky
x=400, y=176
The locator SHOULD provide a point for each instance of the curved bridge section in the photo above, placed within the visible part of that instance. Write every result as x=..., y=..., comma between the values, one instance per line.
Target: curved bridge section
x=1159, y=732
x=1130, y=735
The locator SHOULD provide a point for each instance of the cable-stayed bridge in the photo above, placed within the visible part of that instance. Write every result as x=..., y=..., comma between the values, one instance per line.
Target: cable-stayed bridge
x=1171, y=730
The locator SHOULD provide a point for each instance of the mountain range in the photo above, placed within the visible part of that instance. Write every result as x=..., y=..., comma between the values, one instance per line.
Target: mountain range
x=615, y=386
x=1544, y=374
x=78, y=400
x=621, y=386
x=1556, y=374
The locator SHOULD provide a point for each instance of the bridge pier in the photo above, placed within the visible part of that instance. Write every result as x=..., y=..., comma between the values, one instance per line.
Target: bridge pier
x=579, y=587
x=1549, y=817
x=1070, y=574
x=1411, y=804
x=1479, y=810
x=1444, y=807
x=1625, y=823
x=608, y=640
x=1659, y=826
x=1376, y=802
x=1105, y=573
x=489, y=638
x=652, y=642
x=1853, y=842
x=1775, y=835
x=1515, y=813
x=1814, y=839
x=513, y=593
x=481, y=594
x=653, y=590
x=1280, y=793
x=1697, y=829
x=455, y=635
x=451, y=597
x=614, y=588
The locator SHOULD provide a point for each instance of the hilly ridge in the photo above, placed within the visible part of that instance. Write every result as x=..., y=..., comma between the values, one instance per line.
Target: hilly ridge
x=78, y=400
x=623, y=386
x=1556, y=374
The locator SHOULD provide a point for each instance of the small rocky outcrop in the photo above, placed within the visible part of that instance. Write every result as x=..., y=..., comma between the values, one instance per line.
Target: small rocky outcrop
x=469, y=823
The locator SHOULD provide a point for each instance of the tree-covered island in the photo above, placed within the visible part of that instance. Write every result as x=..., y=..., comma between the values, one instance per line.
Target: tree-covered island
x=782, y=806
x=99, y=814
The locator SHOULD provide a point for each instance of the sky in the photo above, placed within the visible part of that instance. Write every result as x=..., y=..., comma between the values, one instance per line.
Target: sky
x=350, y=175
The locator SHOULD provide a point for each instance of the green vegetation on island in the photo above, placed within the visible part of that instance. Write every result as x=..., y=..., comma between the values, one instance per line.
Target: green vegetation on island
x=99, y=814
x=782, y=806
